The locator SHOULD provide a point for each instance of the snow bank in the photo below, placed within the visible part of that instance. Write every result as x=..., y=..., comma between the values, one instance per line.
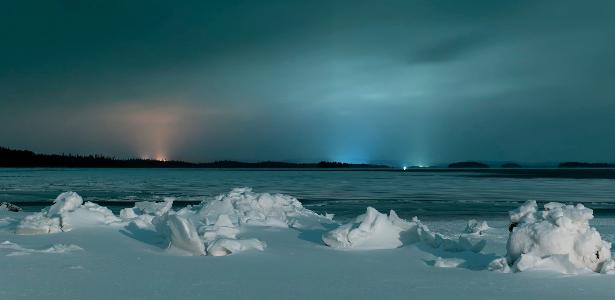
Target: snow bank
x=67, y=211
x=558, y=238
x=19, y=250
x=372, y=230
x=476, y=227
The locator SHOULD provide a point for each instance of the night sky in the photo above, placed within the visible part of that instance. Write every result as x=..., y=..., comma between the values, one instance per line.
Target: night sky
x=357, y=81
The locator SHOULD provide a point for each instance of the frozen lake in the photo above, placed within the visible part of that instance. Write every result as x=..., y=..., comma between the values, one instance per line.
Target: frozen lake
x=344, y=193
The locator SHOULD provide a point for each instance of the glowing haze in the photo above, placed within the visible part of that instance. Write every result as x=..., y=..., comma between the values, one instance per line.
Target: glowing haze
x=417, y=82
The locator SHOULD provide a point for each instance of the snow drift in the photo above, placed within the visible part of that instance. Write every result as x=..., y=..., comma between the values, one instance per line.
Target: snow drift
x=558, y=238
x=375, y=230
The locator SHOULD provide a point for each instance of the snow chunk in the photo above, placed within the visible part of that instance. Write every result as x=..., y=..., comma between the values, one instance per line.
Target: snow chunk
x=9, y=207
x=558, y=238
x=243, y=206
x=180, y=233
x=222, y=247
x=65, y=202
x=223, y=228
x=476, y=227
x=419, y=232
x=499, y=265
x=38, y=223
x=372, y=230
x=448, y=262
x=144, y=212
x=67, y=211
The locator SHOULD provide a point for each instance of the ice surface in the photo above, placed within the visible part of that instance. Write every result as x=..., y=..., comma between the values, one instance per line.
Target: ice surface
x=558, y=238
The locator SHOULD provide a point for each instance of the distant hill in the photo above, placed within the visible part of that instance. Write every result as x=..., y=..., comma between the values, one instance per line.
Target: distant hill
x=28, y=159
x=574, y=164
x=510, y=165
x=467, y=164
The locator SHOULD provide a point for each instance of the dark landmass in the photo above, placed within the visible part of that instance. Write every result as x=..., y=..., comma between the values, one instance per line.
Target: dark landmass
x=574, y=164
x=467, y=164
x=510, y=165
x=10, y=158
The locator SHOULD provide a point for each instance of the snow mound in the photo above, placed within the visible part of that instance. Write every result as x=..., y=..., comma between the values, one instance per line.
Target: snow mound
x=243, y=206
x=372, y=230
x=19, y=250
x=375, y=230
x=476, y=227
x=213, y=227
x=558, y=238
x=218, y=239
x=67, y=211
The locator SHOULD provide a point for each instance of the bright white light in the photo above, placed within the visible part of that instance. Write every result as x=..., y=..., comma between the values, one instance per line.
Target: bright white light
x=404, y=167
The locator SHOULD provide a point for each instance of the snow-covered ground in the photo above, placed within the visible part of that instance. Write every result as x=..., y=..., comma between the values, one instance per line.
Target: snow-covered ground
x=273, y=248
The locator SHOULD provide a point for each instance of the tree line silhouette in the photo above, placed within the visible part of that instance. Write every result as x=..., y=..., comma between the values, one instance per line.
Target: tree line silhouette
x=25, y=158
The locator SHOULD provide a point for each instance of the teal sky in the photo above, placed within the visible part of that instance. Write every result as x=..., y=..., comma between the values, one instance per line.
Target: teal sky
x=359, y=81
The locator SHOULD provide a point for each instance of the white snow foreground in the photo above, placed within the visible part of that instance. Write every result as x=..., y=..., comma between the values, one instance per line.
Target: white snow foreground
x=67, y=211
x=213, y=227
x=374, y=230
x=558, y=238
